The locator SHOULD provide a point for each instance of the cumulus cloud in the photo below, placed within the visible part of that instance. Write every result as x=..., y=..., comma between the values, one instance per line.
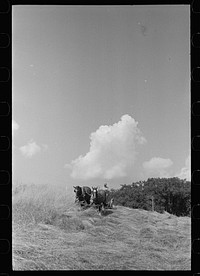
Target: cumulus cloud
x=157, y=167
x=15, y=126
x=112, y=151
x=185, y=172
x=30, y=149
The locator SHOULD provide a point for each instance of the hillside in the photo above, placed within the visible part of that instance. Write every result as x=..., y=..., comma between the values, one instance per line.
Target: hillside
x=51, y=233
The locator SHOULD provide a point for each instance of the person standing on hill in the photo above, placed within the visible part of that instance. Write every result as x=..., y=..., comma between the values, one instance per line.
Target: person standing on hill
x=106, y=189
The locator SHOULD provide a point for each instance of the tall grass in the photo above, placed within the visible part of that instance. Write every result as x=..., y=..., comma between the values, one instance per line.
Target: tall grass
x=39, y=203
x=51, y=233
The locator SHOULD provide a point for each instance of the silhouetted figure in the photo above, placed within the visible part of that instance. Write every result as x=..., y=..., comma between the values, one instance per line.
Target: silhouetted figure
x=106, y=189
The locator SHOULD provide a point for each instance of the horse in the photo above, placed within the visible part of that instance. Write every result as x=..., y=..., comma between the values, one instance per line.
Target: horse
x=82, y=194
x=98, y=198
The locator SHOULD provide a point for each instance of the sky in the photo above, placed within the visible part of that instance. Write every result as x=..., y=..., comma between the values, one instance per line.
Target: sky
x=101, y=94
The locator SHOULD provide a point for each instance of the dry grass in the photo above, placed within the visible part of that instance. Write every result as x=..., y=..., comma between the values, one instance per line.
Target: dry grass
x=51, y=233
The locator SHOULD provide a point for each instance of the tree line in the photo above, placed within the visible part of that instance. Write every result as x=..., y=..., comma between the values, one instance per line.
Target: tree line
x=172, y=195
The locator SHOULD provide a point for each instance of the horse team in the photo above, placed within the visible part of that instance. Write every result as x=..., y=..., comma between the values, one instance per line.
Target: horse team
x=86, y=196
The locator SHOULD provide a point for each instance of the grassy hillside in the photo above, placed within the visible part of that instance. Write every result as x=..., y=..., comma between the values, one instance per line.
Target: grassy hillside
x=51, y=233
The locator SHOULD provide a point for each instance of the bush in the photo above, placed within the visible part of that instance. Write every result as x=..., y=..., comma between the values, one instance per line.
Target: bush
x=169, y=194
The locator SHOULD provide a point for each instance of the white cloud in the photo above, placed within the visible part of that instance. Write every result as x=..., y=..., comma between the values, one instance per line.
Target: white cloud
x=15, y=126
x=185, y=172
x=112, y=151
x=157, y=167
x=30, y=149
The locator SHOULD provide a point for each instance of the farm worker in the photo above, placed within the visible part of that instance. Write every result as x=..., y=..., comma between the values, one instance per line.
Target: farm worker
x=106, y=189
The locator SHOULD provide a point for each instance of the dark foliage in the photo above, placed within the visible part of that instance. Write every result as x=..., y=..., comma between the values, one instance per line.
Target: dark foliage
x=158, y=194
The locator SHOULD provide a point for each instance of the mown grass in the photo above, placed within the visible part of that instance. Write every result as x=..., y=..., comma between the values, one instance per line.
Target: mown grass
x=51, y=233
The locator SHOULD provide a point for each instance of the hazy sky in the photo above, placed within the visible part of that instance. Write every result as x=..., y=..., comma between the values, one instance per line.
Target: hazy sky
x=100, y=94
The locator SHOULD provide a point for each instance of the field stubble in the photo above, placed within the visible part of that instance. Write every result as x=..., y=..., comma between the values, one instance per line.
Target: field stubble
x=51, y=233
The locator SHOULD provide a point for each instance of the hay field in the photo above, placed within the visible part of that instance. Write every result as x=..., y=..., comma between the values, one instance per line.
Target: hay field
x=51, y=233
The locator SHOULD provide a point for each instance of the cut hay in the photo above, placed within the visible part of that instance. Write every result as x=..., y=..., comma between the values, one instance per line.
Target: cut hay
x=50, y=232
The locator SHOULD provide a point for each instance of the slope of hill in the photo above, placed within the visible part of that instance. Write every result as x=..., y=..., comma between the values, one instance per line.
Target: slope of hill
x=51, y=233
